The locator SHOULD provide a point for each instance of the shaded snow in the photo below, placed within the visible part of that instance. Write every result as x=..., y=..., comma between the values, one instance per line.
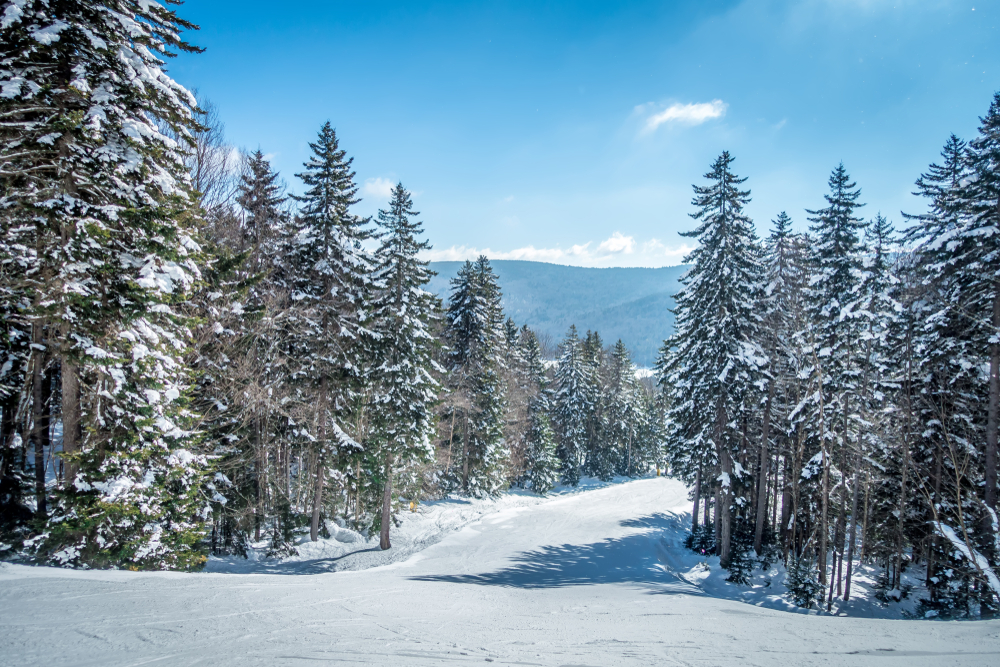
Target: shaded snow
x=596, y=577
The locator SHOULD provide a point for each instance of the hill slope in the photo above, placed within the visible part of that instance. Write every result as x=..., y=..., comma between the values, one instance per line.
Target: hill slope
x=627, y=303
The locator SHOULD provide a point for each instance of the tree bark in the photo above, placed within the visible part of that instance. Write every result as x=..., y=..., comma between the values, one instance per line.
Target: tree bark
x=320, y=462
x=854, y=525
x=70, y=377
x=39, y=423
x=723, y=509
x=723, y=518
x=993, y=416
x=765, y=460
x=386, y=505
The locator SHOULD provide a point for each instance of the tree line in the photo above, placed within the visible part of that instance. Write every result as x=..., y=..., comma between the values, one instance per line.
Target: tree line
x=833, y=394
x=194, y=360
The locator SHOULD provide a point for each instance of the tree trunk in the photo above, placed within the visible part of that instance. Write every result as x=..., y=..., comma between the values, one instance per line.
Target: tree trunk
x=39, y=424
x=786, y=507
x=259, y=478
x=722, y=513
x=854, y=525
x=6, y=437
x=841, y=535
x=723, y=509
x=765, y=460
x=70, y=375
x=386, y=505
x=320, y=461
x=465, y=454
x=697, y=499
x=993, y=417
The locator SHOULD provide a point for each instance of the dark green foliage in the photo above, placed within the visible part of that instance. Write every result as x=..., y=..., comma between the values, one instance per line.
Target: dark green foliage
x=802, y=582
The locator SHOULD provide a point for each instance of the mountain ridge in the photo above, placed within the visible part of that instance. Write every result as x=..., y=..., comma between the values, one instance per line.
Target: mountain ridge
x=620, y=302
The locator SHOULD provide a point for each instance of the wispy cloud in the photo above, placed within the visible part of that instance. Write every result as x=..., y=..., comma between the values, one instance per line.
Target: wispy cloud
x=617, y=250
x=380, y=188
x=687, y=114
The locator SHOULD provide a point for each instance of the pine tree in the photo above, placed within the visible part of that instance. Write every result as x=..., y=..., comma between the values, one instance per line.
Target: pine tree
x=541, y=465
x=326, y=274
x=802, y=582
x=834, y=299
x=403, y=386
x=623, y=414
x=99, y=193
x=475, y=334
x=712, y=361
x=571, y=407
x=977, y=252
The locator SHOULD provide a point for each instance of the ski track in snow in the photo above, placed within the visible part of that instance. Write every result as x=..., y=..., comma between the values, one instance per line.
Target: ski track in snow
x=590, y=578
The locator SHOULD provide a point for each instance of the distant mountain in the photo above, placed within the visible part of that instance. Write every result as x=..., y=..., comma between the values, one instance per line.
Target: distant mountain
x=631, y=304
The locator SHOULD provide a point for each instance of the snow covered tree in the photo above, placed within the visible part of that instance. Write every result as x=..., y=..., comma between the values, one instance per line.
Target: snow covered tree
x=571, y=407
x=781, y=309
x=402, y=313
x=98, y=191
x=327, y=275
x=475, y=333
x=832, y=338
x=711, y=362
x=802, y=582
x=541, y=465
x=623, y=414
x=977, y=252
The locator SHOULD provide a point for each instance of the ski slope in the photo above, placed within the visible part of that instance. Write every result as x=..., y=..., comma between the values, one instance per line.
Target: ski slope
x=592, y=578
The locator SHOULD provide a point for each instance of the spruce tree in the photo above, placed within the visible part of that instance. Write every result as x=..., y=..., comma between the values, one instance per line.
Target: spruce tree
x=402, y=381
x=326, y=273
x=834, y=299
x=475, y=334
x=623, y=415
x=541, y=465
x=571, y=407
x=98, y=191
x=711, y=363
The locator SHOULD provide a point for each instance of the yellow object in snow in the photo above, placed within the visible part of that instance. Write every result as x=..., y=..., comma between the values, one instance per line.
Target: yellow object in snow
x=413, y=505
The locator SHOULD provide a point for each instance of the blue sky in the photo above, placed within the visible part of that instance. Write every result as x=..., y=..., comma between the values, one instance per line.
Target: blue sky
x=572, y=132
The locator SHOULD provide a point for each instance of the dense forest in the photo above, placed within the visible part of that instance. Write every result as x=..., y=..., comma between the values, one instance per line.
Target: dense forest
x=195, y=360
x=833, y=395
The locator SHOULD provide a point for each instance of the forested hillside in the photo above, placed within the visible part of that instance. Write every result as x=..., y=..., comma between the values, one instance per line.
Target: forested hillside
x=633, y=304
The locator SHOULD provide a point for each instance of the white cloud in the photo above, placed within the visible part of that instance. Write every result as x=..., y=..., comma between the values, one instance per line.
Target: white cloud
x=617, y=244
x=378, y=187
x=687, y=114
x=618, y=250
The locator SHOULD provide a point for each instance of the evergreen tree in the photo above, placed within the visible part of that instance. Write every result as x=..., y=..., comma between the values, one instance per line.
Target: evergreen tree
x=977, y=253
x=712, y=361
x=475, y=334
x=571, y=407
x=623, y=415
x=541, y=466
x=802, y=582
x=326, y=274
x=834, y=299
x=402, y=315
x=95, y=187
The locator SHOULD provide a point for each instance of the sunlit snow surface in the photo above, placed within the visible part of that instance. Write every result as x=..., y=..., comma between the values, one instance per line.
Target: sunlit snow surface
x=594, y=577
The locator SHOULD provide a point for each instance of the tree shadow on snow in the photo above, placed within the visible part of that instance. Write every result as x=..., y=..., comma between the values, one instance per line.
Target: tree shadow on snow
x=315, y=566
x=633, y=559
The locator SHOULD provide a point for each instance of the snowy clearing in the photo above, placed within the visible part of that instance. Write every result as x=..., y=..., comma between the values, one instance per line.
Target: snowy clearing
x=596, y=577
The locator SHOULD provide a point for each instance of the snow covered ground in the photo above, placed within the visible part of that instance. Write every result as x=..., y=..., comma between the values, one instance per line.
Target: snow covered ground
x=596, y=577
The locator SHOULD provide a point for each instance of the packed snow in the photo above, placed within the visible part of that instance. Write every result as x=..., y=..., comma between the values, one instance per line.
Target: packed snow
x=592, y=576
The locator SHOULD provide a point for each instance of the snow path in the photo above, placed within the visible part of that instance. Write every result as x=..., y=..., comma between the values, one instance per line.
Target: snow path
x=577, y=580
